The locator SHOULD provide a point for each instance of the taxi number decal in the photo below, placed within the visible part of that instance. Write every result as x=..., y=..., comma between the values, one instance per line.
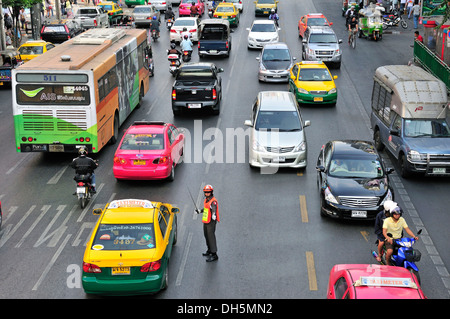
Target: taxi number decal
x=124, y=241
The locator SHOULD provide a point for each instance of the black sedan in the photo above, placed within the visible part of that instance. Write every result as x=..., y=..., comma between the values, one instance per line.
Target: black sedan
x=60, y=31
x=352, y=180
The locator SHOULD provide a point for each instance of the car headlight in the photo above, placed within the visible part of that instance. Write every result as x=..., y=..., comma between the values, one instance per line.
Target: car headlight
x=257, y=147
x=416, y=156
x=262, y=67
x=251, y=39
x=387, y=197
x=303, y=91
x=300, y=147
x=329, y=197
x=333, y=90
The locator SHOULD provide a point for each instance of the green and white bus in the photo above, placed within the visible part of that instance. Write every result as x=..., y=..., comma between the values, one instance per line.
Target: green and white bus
x=80, y=92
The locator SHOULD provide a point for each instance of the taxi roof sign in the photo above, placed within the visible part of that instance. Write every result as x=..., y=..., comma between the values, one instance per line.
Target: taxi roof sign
x=121, y=203
x=385, y=282
x=311, y=62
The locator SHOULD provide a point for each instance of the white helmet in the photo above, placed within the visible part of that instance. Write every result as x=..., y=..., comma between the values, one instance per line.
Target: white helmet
x=389, y=204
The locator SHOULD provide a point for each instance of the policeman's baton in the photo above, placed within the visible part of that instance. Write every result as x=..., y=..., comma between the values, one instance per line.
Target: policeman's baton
x=195, y=205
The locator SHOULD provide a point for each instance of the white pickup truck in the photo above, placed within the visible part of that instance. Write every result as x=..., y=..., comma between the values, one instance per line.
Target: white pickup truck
x=92, y=17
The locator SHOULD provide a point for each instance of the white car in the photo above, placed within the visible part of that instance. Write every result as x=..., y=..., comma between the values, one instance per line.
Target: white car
x=261, y=33
x=239, y=4
x=160, y=5
x=277, y=134
x=191, y=25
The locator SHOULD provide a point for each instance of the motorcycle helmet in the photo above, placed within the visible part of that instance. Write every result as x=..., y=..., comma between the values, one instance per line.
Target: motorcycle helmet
x=208, y=188
x=388, y=204
x=395, y=210
x=173, y=45
x=82, y=151
x=186, y=37
x=154, y=17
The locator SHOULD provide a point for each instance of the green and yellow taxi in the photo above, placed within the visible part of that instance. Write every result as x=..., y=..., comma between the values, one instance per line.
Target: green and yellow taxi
x=33, y=48
x=227, y=11
x=263, y=7
x=111, y=8
x=129, y=249
x=312, y=83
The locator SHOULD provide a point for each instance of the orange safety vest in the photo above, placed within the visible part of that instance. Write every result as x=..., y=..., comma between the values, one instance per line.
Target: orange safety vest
x=207, y=211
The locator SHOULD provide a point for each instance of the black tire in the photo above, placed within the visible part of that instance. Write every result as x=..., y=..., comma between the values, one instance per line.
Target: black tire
x=377, y=140
x=115, y=136
x=403, y=163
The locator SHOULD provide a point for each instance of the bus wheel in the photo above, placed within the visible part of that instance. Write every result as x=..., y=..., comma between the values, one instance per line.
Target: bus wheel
x=141, y=96
x=115, y=136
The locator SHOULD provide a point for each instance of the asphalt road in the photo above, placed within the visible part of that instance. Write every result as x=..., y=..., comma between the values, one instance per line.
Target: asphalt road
x=272, y=241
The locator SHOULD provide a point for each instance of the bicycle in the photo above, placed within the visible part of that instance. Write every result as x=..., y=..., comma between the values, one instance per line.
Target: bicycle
x=353, y=38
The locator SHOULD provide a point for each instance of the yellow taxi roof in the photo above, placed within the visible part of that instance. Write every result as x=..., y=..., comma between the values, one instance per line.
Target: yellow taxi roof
x=312, y=64
x=34, y=43
x=129, y=211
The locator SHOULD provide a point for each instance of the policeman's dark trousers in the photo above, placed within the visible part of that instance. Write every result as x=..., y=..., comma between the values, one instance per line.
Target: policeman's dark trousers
x=209, y=230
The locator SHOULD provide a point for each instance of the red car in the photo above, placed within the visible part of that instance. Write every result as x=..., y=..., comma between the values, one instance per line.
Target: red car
x=149, y=150
x=312, y=19
x=363, y=281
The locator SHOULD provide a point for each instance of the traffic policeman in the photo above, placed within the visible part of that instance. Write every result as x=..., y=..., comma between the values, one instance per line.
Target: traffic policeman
x=210, y=217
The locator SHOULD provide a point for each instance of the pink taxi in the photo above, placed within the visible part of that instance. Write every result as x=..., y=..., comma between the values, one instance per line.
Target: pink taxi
x=149, y=150
x=184, y=9
x=364, y=281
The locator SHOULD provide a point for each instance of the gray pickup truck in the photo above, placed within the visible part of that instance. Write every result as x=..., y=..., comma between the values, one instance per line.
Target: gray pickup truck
x=92, y=17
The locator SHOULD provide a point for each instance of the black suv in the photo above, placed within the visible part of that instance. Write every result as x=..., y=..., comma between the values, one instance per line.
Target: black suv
x=197, y=86
x=58, y=32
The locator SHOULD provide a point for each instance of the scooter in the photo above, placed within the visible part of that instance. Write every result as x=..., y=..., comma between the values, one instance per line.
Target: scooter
x=187, y=55
x=154, y=35
x=84, y=189
x=404, y=255
x=169, y=23
x=392, y=20
x=174, y=60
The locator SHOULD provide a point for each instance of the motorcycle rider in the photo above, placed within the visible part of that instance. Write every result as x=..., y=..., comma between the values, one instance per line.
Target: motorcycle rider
x=394, y=225
x=349, y=14
x=194, y=10
x=274, y=16
x=169, y=14
x=379, y=219
x=186, y=44
x=154, y=25
x=84, y=165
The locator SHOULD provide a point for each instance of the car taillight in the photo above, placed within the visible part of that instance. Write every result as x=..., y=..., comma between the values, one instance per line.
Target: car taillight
x=193, y=31
x=226, y=44
x=233, y=16
x=173, y=30
x=198, y=44
x=95, y=22
x=214, y=94
x=161, y=160
x=91, y=268
x=80, y=184
x=152, y=266
x=119, y=160
x=174, y=94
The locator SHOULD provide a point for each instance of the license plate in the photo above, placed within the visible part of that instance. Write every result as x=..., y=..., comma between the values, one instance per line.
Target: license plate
x=56, y=148
x=276, y=76
x=212, y=51
x=266, y=12
x=120, y=271
x=194, y=105
x=359, y=213
x=318, y=99
x=39, y=147
x=279, y=159
x=80, y=190
x=438, y=170
x=139, y=162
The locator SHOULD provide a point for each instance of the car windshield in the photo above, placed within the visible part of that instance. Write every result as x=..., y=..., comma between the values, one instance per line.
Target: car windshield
x=284, y=121
x=184, y=23
x=31, y=50
x=224, y=9
x=143, y=141
x=266, y=1
x=431, y=128
x=322, y=38
x=317, y=21
x=355, y=167
x=263, y=27
x=276, y=55
x=124, y=237
x=142, y=10
x=314, y=75
x=106, y=7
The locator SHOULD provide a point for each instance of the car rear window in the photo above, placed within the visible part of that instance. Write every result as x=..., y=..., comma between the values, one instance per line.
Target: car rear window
x=143, y=141
x=142, y=10
x=184, y=23
x=124, y=237
x=195, y=74
x=87, y=11
x=54, y=28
